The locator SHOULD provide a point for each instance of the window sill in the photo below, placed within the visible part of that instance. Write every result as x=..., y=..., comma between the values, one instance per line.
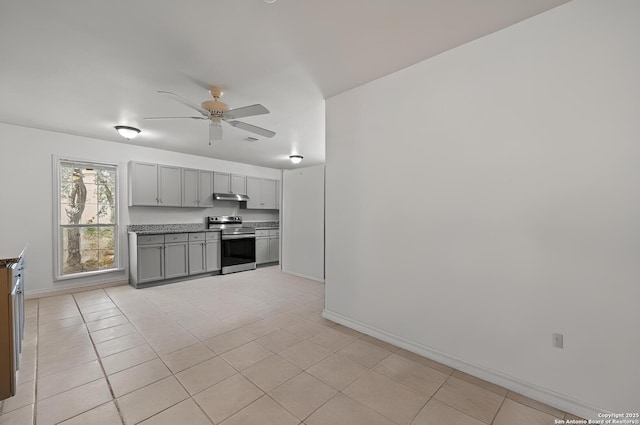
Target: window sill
x=87, y=274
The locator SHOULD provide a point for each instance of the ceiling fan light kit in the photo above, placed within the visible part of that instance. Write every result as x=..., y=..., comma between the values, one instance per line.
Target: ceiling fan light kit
x=127, y=132
x=296, y=159
x=216, y=112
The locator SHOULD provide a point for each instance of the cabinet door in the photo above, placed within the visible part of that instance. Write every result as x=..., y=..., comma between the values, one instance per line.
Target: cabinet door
x=213, y=256
x=221, y=183
x=262, y=250
x=254, y=192
x=175, y=260
x=150, y=263
x=238, y=184
x=170, y=187
x=274, y=249
x=205, y=188
x=277, y=194
x=268, y=194
x=189, y=187
x=197, y=260
x=143, y=184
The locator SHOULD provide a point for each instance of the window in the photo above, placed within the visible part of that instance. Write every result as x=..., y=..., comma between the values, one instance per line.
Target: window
x=87, y=220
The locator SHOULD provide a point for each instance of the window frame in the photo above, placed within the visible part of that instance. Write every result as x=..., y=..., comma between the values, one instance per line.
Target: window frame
x=58, y=226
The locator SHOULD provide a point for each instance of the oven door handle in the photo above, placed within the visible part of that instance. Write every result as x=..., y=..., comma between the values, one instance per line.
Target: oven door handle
x=228, y=237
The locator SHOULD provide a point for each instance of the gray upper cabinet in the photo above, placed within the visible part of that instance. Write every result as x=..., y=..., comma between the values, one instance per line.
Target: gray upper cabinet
x=229, y=183
x=190, y=188
x=154, y=185
x=221, y=182
x=205, y=188
x=238, y=184
x=143, y=184
x=269, y=194
x=197, y=188
x=254, y=192
x=170, y=187
x=262, y=193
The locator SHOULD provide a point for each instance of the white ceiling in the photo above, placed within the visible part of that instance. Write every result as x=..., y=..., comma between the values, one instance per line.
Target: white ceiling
x=82, y=67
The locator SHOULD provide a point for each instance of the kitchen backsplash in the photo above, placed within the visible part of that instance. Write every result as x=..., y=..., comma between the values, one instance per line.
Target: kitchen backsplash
x=190, y=227
x=156, y=215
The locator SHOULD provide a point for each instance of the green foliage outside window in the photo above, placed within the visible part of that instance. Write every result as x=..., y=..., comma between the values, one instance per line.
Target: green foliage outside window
x=88, y=217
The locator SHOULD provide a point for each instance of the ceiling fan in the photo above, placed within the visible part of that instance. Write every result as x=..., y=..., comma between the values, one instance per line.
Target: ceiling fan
x=216, y=111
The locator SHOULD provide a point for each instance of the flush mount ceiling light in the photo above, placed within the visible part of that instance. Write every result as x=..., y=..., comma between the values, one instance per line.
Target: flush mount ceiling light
x=296, y=159
x=270, y=1
x=127, y=132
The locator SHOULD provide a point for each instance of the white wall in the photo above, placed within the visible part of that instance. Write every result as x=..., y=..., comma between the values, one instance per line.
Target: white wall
x=27, y=205
x=302, y=226
x=494, y=199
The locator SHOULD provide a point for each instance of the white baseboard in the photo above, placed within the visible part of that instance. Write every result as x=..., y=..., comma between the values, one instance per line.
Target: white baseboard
x=315, y=279
x=543, y=395
x=41, y=293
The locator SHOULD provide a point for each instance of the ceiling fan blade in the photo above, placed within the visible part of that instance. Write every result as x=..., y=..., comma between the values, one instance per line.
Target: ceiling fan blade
x=186, y=102
x=175, y=118
x=245, y=111
x=215, y=132
x=252, y=128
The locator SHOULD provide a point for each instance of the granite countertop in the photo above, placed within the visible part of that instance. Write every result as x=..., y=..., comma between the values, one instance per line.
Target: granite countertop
x=262, y=224
x=156, y=229
x=7, y=261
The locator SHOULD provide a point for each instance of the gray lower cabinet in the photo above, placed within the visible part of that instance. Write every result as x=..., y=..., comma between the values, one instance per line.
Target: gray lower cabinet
x=213, y=256
x=267, y=246
x=147, y=258
x=212, y=251
x=274, y=249
x=262, y=250
x=197, y=255
x=176, y=259
x=197, y=258
x=150, y=263
x=153, y=258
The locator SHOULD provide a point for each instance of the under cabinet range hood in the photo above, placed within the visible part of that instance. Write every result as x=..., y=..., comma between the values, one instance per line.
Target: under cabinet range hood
x=230, y=197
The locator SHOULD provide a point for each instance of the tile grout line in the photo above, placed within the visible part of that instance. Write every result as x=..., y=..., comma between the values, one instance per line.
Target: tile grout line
x=498, y=411
x=35, y=372
x=430, y=397
x=104, y=372
x=159, y=358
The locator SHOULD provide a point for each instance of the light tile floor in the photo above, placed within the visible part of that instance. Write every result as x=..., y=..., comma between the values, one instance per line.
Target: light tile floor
x=241, y=349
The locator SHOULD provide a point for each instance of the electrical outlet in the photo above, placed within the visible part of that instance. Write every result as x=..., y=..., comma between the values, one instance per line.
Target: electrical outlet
x=558, y=341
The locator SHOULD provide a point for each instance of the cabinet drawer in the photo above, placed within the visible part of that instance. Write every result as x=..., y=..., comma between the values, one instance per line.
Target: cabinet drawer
x=150, y=239
x=274, y=232
x=196, y=237
x=262, y=233
x=176, y=237
x=212, y=236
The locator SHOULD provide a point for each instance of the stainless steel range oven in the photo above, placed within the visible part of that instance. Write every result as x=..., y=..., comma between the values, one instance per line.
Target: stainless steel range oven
x=238, y=251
